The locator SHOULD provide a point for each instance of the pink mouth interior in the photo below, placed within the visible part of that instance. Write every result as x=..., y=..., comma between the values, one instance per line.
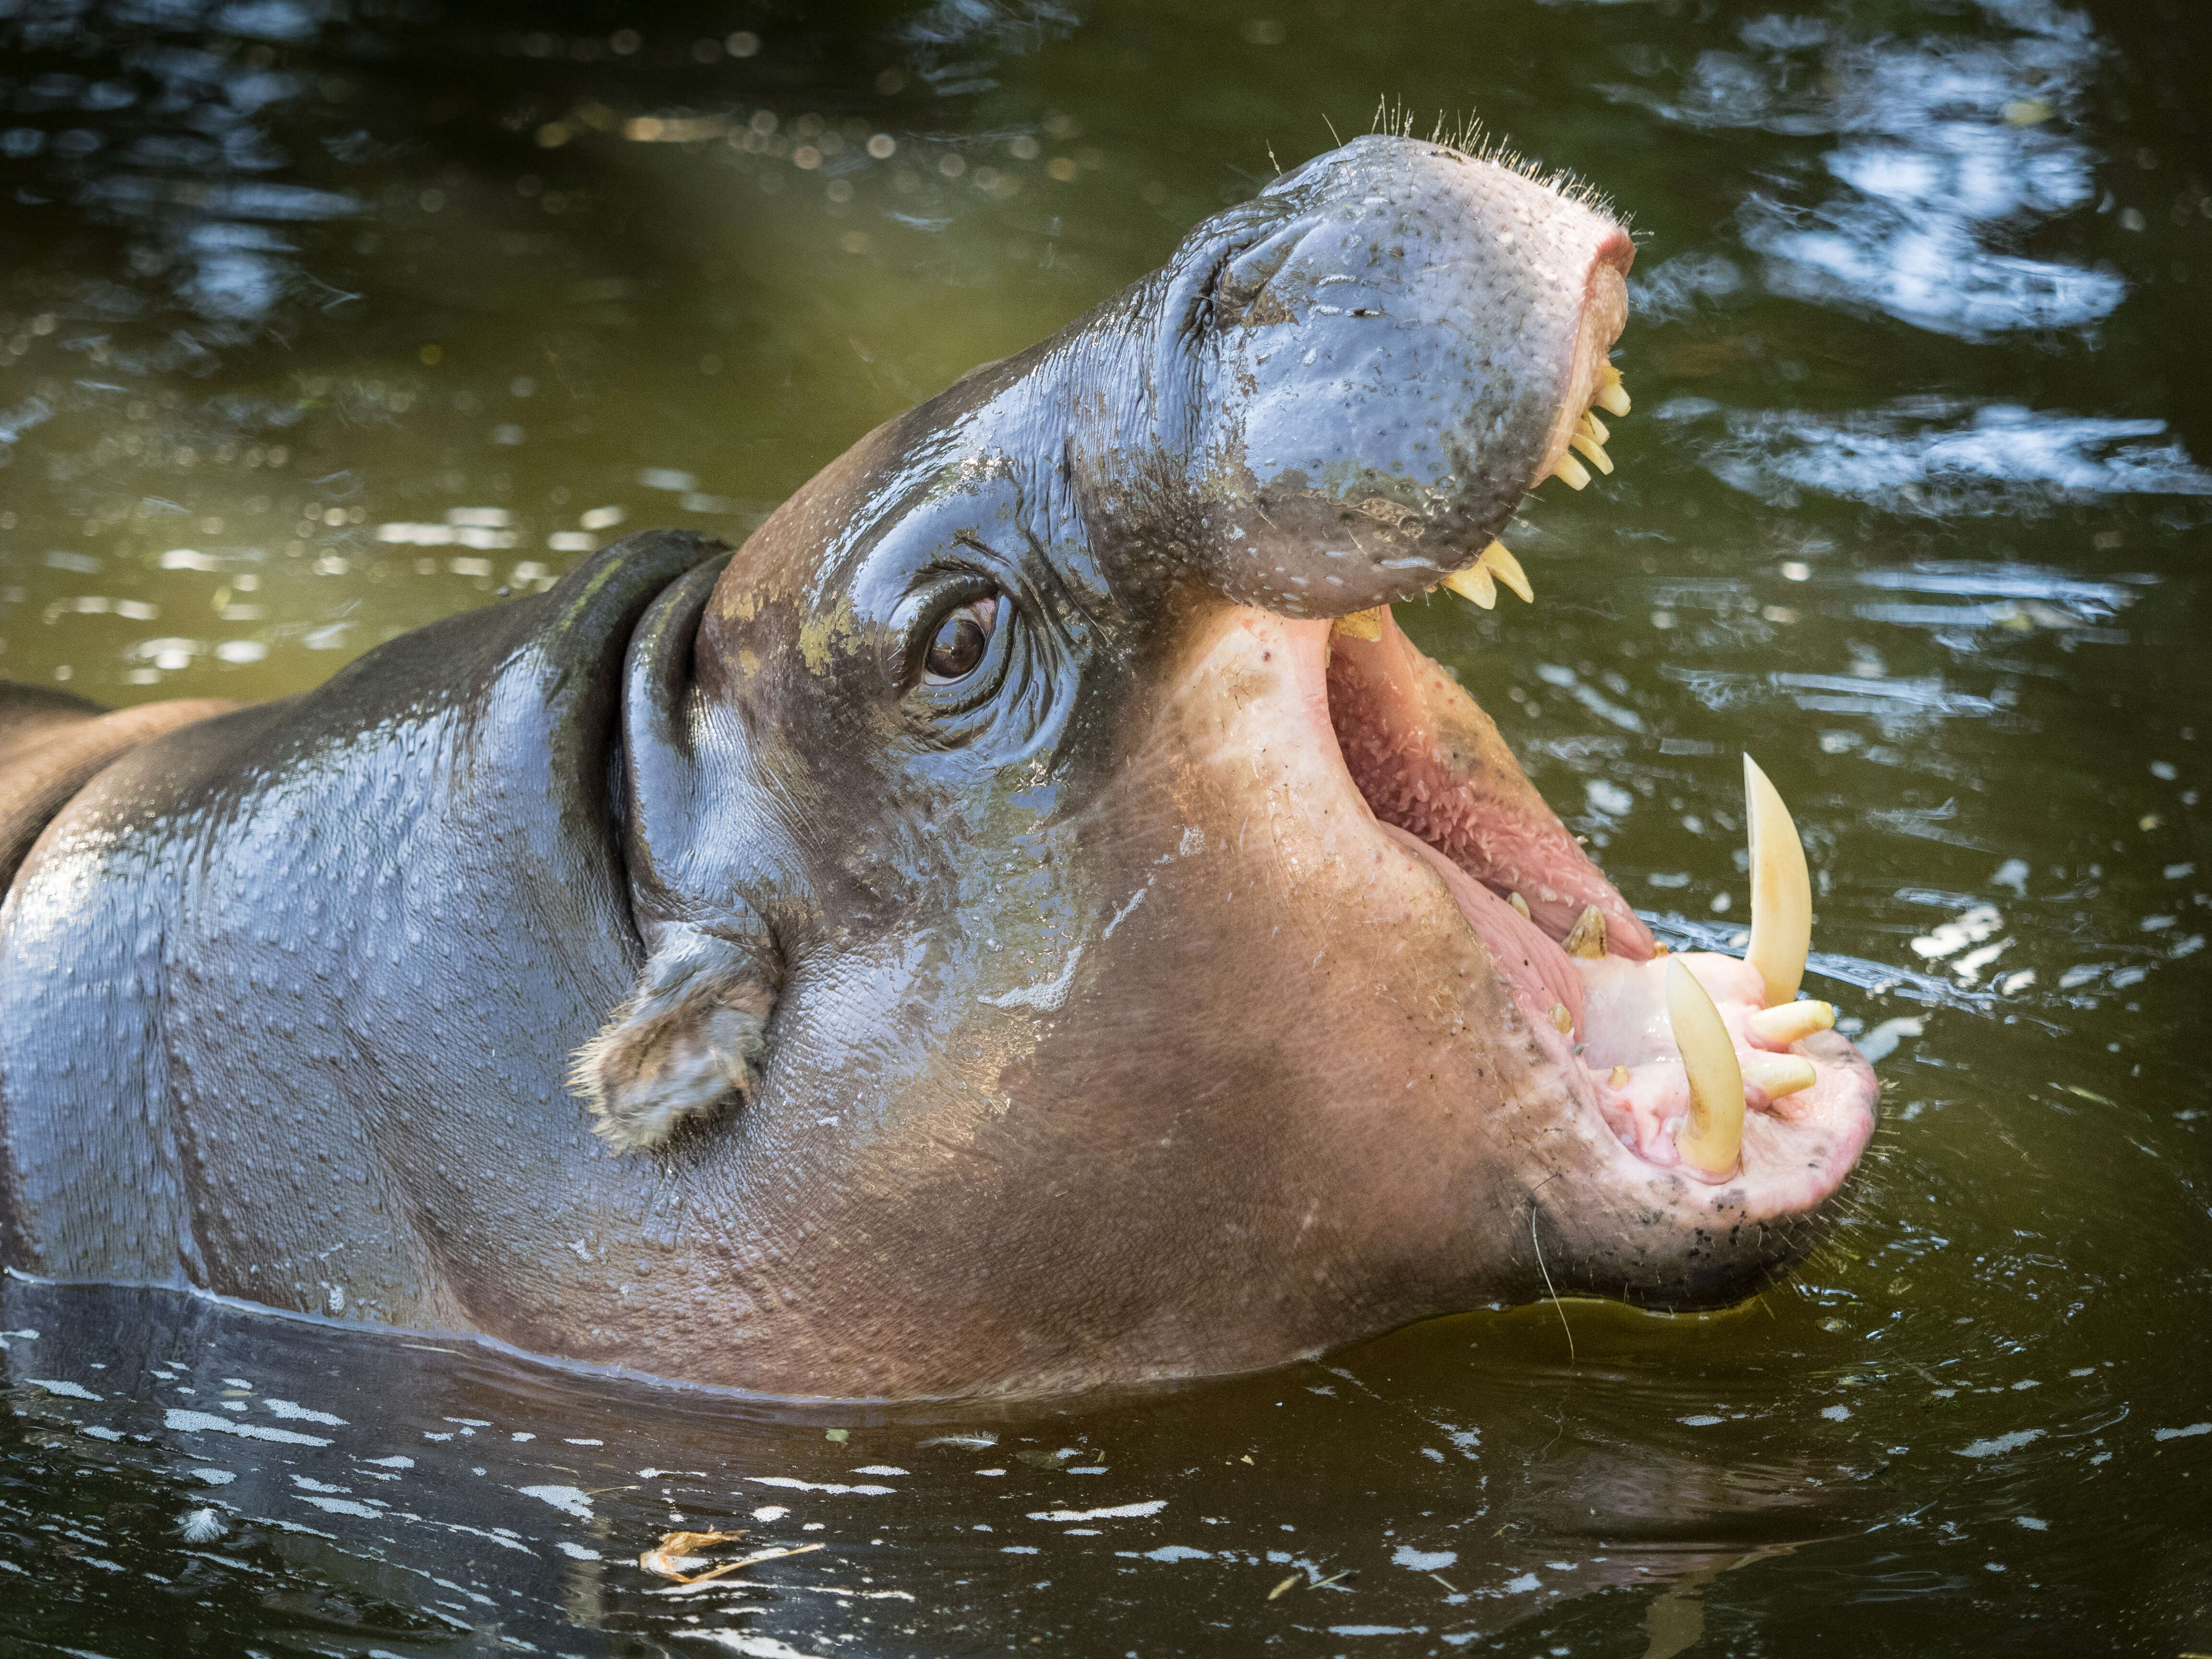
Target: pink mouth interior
x=1440, y=784
x=1472, y=814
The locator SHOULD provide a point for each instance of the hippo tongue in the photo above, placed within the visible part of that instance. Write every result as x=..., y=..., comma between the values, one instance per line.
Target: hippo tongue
x=1431, y=764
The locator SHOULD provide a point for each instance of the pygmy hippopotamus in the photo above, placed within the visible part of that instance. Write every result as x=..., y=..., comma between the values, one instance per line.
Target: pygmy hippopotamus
x=1027, y=919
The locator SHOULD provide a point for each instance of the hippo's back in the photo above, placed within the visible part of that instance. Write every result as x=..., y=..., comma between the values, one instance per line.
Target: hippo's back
x=52, y=743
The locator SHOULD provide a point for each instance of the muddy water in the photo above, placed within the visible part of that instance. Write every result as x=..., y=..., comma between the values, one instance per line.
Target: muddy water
x=319, y=324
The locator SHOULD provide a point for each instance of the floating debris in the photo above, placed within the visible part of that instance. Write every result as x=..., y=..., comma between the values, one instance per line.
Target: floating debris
x=675, y=1547
x=677, y=1550
x=202, y=1525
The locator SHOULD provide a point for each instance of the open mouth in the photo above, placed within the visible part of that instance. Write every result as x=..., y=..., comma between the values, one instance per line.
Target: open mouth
x=1701, y=1064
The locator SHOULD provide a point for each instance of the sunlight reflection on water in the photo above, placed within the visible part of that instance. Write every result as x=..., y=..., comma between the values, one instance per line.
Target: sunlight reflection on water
x=319, y=323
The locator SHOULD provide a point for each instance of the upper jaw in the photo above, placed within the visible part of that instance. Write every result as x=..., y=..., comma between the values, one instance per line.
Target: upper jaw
x=1591, y=380
x=1417, y=356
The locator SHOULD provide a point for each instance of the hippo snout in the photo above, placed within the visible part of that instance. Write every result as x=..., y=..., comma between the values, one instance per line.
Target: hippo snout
x=1394, y=343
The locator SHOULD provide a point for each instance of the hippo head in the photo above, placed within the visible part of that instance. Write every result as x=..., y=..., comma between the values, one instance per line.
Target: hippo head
x=1086, y=942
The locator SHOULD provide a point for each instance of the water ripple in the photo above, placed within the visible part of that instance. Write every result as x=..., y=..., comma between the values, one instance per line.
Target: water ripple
x=1950, y=148
x=1939, y=457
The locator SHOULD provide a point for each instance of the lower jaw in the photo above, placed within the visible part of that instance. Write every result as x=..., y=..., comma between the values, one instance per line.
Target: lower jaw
x=1602, y=1015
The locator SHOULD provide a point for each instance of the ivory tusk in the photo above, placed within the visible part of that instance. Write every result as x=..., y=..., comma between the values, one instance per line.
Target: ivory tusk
x=1711, y=1139
x=1781, y=891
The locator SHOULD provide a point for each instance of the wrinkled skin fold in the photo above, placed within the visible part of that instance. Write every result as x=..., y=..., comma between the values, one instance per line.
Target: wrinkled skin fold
x=988, y=933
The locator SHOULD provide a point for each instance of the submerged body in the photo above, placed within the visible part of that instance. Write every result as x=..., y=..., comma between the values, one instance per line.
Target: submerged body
x=995, y=930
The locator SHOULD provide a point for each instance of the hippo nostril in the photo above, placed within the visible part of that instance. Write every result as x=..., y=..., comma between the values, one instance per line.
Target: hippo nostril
x=1239, y=289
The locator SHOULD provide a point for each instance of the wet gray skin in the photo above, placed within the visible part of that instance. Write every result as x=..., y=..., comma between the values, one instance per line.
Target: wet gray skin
x=981, y=969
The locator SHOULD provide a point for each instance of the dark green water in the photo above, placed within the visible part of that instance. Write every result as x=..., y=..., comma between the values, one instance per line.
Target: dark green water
x=321, y=323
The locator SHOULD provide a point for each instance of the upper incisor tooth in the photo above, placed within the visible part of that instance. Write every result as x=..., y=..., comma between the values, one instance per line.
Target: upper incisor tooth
x=1612, y=396
x=1498, y=559
x=1790, y=1022
x=1572, y=472
x=1781, y=891
x=1475, y=584
x=1595, y=428
x=1591, y=447
x=1711, y=1138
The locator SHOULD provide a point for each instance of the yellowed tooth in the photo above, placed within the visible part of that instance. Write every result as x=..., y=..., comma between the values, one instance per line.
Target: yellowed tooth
x=1595, y=427
x=1781, y=891
x=1586, y=939
x=1776, y=1075
x=1561, y=1019
x=1518, y=903
x=1711, y=1138
x=1474, y=583
x=1363, y=625
x=1591, y=447
x=1619, y=1078
x=1498, y=559
x=1572, y=472
x=1612, y=396
x=1790, y=1022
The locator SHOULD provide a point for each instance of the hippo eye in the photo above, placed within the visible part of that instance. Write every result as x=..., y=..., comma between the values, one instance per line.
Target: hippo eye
x=963, y=637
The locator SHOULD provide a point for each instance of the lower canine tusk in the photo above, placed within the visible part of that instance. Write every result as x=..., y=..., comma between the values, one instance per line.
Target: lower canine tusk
x=1363, y=625
x=1781, y=891
x=1790, y=1022
x=1711, y=1139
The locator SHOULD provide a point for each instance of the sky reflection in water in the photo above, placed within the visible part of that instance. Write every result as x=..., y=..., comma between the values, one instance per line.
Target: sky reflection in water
x=317, y=326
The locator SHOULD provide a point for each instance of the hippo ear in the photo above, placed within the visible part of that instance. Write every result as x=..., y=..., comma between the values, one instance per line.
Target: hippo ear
x=690, y=1038
x=688, y=1041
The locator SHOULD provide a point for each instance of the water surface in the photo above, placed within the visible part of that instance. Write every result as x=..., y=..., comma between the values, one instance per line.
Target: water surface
x=319, y=323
